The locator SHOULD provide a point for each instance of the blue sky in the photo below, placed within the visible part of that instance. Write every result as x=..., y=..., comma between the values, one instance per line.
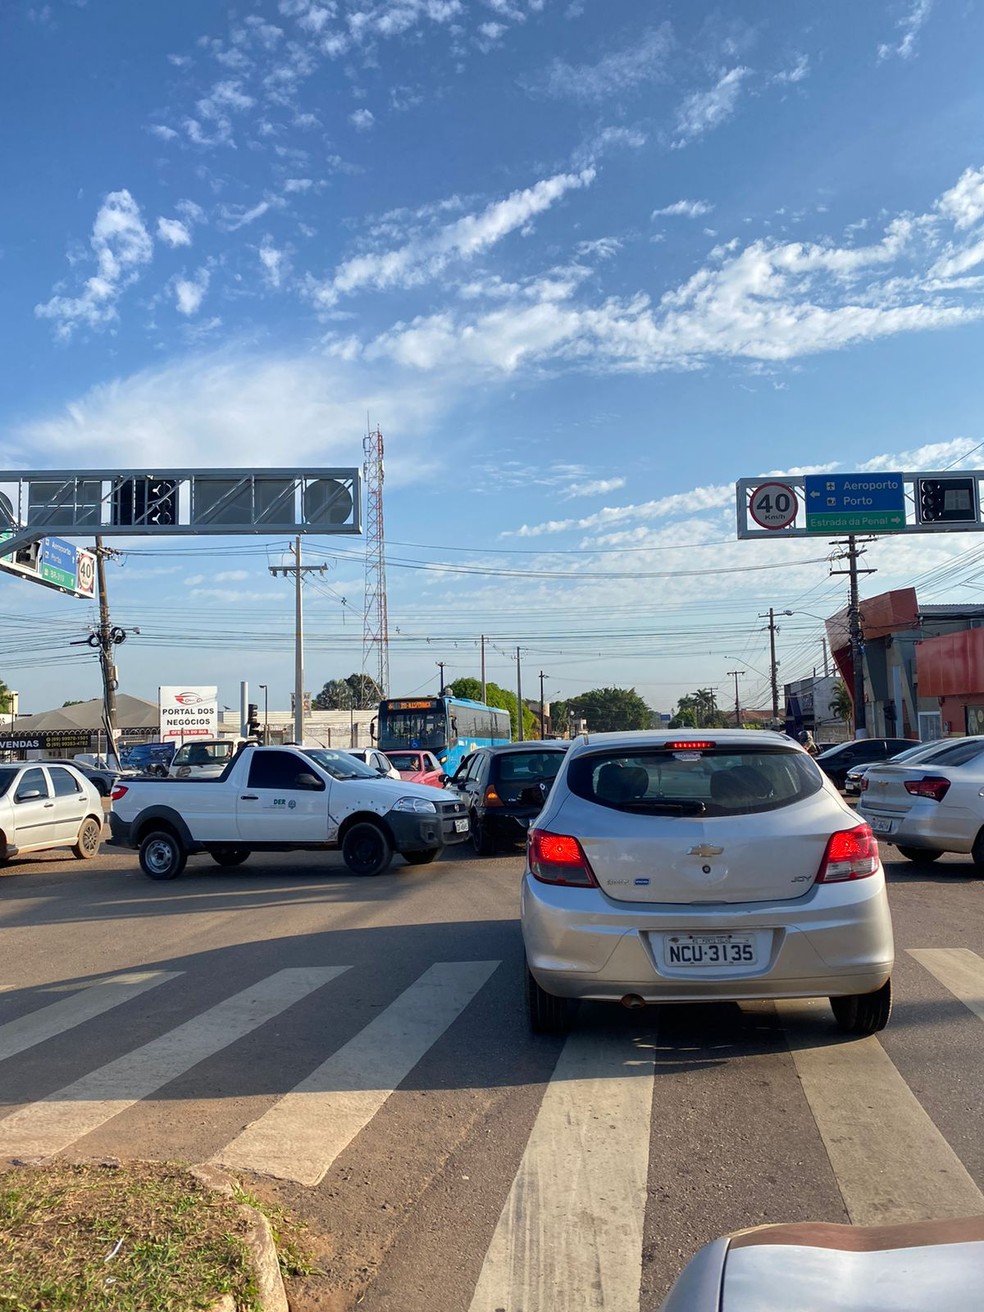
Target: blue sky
x=584, y=264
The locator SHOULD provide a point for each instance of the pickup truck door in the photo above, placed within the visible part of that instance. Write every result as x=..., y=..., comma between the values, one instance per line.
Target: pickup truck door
x=284, y=800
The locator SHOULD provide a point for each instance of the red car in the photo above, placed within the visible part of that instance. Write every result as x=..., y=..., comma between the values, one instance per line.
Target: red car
x=419, y=767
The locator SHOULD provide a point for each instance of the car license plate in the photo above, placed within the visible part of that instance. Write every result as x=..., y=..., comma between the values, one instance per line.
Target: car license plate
x=461, y=826
x=710, y=949
x=880, y=824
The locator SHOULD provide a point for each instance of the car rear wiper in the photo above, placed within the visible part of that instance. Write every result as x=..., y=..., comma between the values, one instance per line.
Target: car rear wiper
x=657, y=806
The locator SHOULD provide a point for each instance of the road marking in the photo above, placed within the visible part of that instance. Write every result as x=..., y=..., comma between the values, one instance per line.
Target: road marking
x=569, y=1238
x=304, y=1132
x=91, y=1000
x=50, y=1125
x=959, y=970
x=891, y=1163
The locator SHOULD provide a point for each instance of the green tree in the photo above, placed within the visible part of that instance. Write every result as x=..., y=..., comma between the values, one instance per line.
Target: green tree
x=699, y=710
x=611, y=709
x=358, y=692
x=4, y=699
x=841, y=703
x=72, y=702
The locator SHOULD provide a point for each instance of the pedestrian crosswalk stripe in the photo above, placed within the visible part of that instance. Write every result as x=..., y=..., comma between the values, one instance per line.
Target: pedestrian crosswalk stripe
x=959, y=970
x=50, y=1125
x=891, y=1163
x=304, y=1132
x=90, y=1001
x=569, y=1238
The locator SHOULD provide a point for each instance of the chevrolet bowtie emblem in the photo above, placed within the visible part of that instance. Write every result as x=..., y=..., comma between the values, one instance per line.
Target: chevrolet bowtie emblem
x=705, y=849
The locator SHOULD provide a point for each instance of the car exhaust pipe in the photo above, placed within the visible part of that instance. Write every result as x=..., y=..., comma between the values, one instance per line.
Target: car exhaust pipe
x=632, y=1002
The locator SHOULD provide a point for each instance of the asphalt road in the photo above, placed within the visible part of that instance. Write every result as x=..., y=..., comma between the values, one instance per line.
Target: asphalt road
x=358, y=1049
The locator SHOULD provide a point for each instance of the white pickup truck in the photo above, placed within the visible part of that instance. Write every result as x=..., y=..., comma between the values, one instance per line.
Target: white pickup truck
x=278, y=799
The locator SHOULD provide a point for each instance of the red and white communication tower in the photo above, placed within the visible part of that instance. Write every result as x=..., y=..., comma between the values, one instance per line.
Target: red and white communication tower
x=375, y=633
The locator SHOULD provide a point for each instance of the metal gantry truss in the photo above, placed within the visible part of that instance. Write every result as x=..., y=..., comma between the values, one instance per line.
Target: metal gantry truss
x=176, y=502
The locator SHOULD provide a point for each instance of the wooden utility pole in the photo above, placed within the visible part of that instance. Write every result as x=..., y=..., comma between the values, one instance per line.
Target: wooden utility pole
x=107, y=636
x=854, y=626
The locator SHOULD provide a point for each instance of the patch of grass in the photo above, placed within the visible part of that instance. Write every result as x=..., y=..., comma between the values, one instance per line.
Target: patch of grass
x=134, y=1237
x=288, y=1235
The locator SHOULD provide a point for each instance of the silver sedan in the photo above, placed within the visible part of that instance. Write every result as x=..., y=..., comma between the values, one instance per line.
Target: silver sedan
x=46, y=805
x=684, y=867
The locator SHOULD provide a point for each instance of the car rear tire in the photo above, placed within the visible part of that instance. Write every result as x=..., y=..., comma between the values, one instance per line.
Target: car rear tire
x=483, y=843
x=162, y=855
x=977, y=851
x=230, y=856
x=863, y=1013
x=366, y=850
x=421, y=858
x=547, y=1014
x=89, y=838
x=921, y=855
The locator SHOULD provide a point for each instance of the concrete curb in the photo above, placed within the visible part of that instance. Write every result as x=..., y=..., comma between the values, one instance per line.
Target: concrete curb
x=259, y=1241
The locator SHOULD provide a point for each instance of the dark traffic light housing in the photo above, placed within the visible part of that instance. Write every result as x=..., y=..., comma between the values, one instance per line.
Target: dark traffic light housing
x=252, y=721
x=947, y=501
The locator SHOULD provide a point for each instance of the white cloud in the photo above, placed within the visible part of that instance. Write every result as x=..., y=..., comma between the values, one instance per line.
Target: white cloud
x=420, y=260
x=363, y=119
x=704, y=110
x=274, y=263
x=767, y=301
x=227, y=404
x=163, y=131
x=796, y=73
x=964, y=202
x=122, y=245
x=603, y=248
x=614, y=74
x=190, y=292
x=909, y=25
x=173, y=232
x=592, y=488
x=688, y=209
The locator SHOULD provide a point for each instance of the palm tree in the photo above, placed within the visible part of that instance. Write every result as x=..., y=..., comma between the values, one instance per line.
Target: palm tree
x=841, y=703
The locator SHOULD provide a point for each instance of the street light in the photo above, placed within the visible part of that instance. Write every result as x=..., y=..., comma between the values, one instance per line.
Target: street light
x=266, y=716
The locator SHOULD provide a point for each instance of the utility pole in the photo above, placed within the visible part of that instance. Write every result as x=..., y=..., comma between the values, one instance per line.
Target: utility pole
x=484, y=694
x=826, y=667
x=739, y=674
x=298, y=570
x=773, y=663
x=857, y=638
x=542, y=677
x=440, y=686
x=106, y=663
x=519, y=696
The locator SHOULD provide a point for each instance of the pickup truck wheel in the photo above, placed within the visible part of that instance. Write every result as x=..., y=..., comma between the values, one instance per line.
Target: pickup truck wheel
x=421, y=858
x=230, y=856
x=162, y=855
x=366, y=850
x=87, y=843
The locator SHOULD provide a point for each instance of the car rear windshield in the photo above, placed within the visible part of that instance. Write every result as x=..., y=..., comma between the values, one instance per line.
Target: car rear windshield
x=695, y=781
x=528, y=767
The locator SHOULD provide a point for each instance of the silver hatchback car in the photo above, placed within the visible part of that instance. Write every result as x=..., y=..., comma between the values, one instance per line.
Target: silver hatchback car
x=694, y=866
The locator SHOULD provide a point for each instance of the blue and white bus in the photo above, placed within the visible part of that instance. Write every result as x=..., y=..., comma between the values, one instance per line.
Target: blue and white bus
x=450, y=727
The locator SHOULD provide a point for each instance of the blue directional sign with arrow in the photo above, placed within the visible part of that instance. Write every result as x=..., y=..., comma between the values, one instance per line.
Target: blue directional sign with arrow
x=855, y=503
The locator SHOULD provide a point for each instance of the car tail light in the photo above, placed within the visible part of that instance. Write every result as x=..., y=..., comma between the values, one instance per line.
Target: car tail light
x=559, y=859
x=492, y=798
x=934, y=786
x=864, y=783
x=850, y=854
x=119, y=791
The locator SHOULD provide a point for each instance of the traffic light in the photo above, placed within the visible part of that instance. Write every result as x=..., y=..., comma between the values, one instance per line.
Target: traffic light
x=150, y=501
x=252, y=721
x=947, y=501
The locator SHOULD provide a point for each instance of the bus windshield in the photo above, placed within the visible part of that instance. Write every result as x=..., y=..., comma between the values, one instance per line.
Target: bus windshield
x=418, y=728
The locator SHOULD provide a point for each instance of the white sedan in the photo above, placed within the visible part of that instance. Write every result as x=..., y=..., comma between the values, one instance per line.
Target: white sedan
x=44, y=806
x=375, y=759
x=930, y=806
x=702, y=866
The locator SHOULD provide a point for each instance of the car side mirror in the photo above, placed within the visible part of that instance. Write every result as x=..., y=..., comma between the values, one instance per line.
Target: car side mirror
x=31, y=795
x=383, y=770
x=445, y=780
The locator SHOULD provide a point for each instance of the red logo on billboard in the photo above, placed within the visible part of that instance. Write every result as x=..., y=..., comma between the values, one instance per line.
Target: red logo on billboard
x=189, y=698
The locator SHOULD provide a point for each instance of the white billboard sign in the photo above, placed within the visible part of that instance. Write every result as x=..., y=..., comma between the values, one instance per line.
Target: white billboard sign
x=188, y=712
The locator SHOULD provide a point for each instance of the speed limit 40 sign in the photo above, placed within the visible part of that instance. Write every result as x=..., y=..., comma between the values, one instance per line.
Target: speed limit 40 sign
x=773, y=505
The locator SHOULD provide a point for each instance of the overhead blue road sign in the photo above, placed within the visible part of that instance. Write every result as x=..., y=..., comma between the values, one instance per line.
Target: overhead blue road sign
x=855, y=503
